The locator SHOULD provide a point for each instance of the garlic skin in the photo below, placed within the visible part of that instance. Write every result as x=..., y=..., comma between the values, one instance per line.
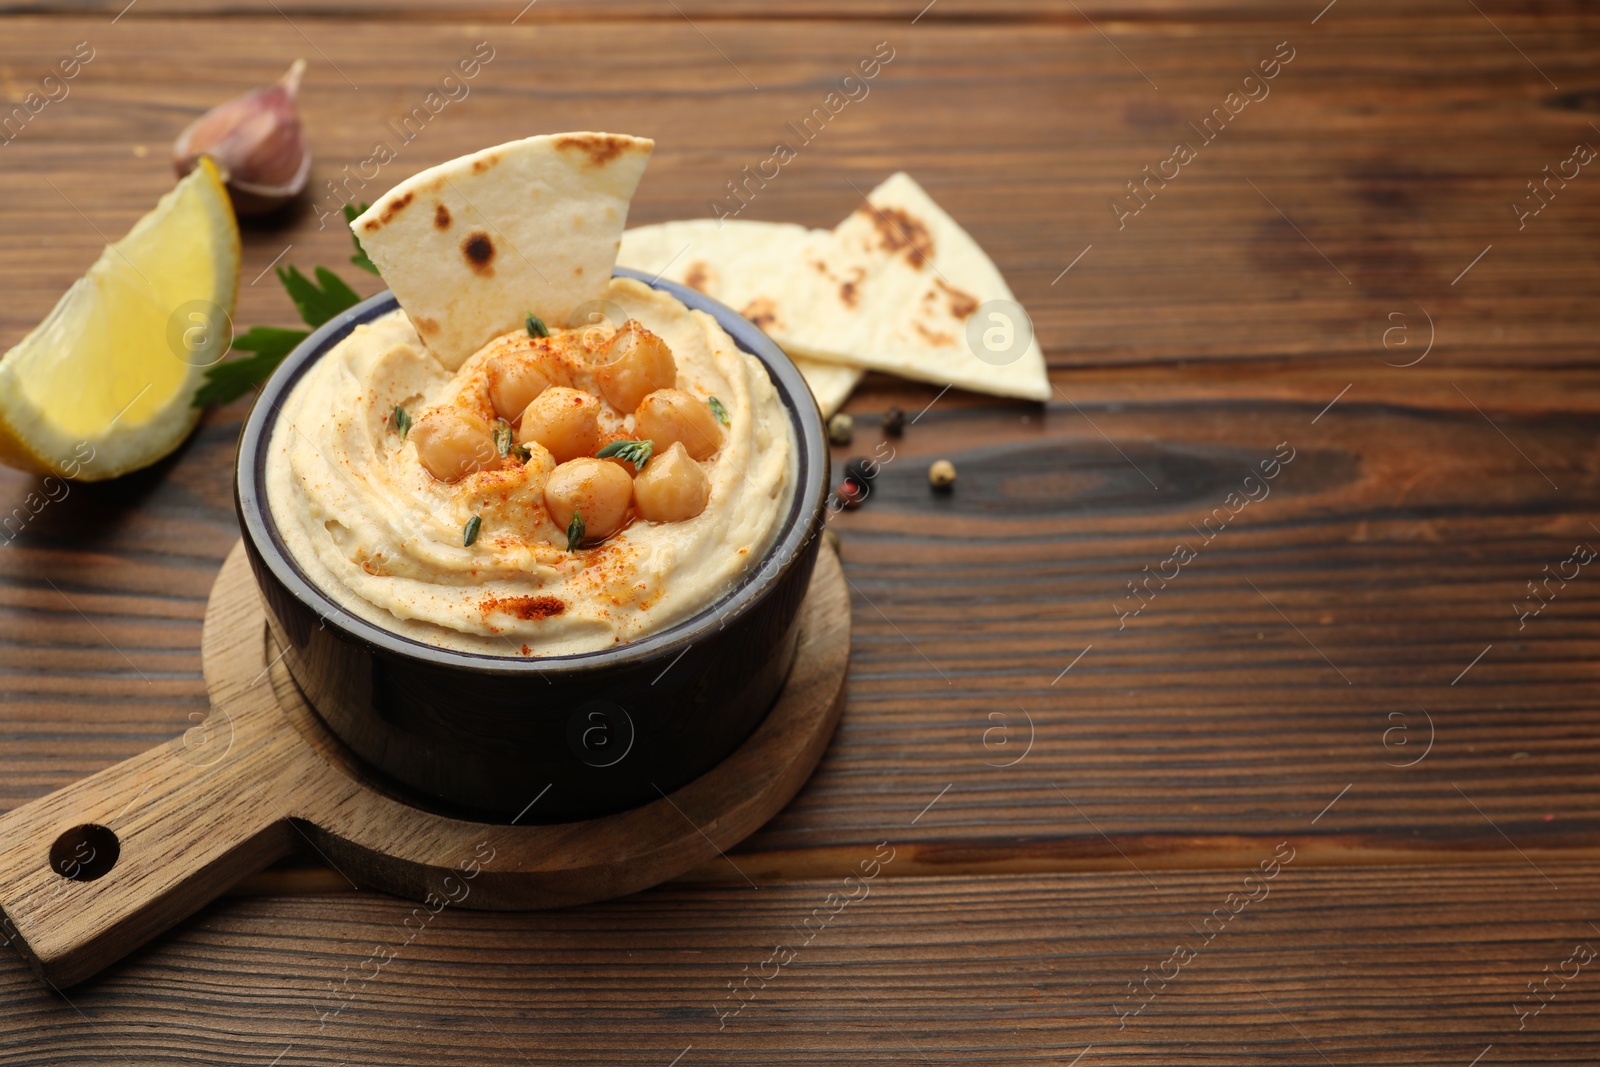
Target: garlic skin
x=258, y=143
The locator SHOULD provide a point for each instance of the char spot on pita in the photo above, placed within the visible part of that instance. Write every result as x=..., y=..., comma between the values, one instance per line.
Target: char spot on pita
x=697, y=276
x=761, y=312
x=898, y=230
x=479, y=251
x=935, y=338
x=578, y=270
x=394, y=207
x=600, y=148
x=427, y=327
x=441, y=216
x=484, y=163
x=849, y=291
x=962, y=305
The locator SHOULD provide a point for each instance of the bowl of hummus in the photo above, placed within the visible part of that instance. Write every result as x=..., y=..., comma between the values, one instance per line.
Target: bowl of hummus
x=532, y=531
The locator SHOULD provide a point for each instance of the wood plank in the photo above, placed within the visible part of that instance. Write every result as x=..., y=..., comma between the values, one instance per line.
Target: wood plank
x=1425, y=130
x=564, y=11
x=1395, y=543
x=1171, y=12
x=1200, y=735
x=1379, y=966
x=1394, y=549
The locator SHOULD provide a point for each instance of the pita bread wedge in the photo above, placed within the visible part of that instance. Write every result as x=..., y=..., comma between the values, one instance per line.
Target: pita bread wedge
x=471, y=246
x=905, y=281
x=895, y=287
x=766, y=271
x=831, y=383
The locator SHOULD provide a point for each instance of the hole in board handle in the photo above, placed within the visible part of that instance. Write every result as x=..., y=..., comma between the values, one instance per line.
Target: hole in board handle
x=85, y=853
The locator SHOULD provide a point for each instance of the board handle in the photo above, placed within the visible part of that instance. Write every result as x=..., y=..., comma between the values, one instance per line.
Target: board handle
x=93, y=871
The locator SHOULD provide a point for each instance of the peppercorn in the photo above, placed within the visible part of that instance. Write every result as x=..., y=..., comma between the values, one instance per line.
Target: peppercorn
x=841, y=428
x=942, y=475
x=894, y=422
x=862, y=470
x=850, y=495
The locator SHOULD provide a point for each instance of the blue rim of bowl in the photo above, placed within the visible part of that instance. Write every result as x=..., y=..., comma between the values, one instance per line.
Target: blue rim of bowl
x=795, y=529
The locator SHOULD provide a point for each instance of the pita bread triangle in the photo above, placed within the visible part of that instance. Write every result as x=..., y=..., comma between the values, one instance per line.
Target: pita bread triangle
x=471, y=246
x=895, y=287
x=763, y=270
x=906, y=282
x=831, y=383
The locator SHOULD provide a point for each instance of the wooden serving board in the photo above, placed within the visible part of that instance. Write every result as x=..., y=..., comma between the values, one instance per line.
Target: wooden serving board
x=93, y=871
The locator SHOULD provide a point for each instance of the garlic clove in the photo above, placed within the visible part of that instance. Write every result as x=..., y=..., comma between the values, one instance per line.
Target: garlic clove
x=257, y=141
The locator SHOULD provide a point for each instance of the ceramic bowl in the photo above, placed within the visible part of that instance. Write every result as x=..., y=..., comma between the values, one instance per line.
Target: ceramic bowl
x=555, y=739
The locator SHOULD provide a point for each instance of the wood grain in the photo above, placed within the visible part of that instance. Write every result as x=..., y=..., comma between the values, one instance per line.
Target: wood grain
x=1378, y=966
x=1187, y=344
x=504, y=12
x=1397, y=542
x=1161, y=13
x=1393, y=148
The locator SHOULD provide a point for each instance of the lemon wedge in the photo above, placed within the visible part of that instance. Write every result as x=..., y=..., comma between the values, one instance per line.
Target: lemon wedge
x=103, y=385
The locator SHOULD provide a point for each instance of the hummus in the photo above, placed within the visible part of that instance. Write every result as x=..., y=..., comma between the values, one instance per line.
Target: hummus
x=370, y=526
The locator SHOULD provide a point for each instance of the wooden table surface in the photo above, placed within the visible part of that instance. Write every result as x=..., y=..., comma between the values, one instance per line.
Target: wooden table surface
x=1346, y=686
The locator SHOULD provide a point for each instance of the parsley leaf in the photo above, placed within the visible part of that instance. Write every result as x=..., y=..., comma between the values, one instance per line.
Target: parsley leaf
x=226, y=382
x=270, y=342
x=536, y=326
x=360, y=258
x=402, y=421
x=317, y=301
x=470, y=533
x=718, y=410
x=317, y=305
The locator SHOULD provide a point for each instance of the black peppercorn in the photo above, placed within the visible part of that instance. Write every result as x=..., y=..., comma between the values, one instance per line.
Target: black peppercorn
x=862, y=470
x=894, y=422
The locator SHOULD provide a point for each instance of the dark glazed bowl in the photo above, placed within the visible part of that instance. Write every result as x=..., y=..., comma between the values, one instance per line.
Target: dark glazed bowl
x=583, y=735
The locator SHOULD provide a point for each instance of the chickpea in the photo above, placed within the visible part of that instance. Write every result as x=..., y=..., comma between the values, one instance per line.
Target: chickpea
x=562, y=420
x=593, y=488
x=517, y=378
x=669, y=415
x=671, y=488
x=633, y=363
x=452, y=443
